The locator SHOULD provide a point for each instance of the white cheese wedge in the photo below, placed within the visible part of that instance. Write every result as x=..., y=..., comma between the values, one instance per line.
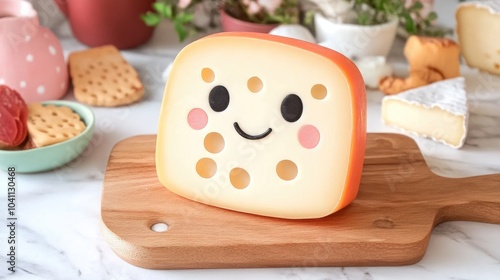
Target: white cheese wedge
x=478, y=31
x=437, y=111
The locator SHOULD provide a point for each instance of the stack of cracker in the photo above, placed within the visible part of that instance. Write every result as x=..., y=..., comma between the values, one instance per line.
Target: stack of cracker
x=102, y=77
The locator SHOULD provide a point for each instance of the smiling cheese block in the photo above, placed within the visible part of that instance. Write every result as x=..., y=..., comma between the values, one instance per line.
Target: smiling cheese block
x=263, y=124
x=478, y=29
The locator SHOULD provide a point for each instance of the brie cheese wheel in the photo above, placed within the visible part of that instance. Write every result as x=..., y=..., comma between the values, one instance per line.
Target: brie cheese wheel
x=478, y=29
x=437, y=111
x=263, y=124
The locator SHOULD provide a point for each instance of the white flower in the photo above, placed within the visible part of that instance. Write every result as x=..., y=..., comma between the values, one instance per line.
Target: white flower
x=253, y=8
x=183, y=3
x=270, y=5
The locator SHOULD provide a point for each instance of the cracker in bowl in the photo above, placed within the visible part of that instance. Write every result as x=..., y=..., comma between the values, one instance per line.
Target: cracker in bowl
x=50, y=124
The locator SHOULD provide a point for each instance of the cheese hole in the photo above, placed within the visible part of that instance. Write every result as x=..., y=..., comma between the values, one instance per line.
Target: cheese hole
x=206, y=167
x=239, y=178
x=214, y=142
x=318, y=91
x=255, y=84
x=207, y=75
x=287, y=170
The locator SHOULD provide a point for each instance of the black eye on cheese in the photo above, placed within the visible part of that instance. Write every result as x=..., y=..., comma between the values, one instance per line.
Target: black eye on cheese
x=291, y=108
x=218, y=98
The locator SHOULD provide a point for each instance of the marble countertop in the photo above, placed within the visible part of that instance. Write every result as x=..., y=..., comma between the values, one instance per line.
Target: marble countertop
x=59, y=221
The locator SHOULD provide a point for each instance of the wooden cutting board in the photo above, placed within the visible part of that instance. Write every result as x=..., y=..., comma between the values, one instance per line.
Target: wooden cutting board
x=399, y=202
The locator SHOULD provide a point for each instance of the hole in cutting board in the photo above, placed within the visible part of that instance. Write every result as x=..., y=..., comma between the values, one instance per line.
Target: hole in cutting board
x=159, y=227
x=384, y=222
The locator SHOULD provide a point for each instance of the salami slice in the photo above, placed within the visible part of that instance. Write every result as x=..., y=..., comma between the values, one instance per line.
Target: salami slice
x=13, y=118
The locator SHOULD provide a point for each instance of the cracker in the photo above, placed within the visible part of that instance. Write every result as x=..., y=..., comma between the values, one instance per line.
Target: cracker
x=102, y=77
x=50, y=124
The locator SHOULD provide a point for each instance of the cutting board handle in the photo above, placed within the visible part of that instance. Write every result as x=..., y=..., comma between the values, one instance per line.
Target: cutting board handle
x=473, y=199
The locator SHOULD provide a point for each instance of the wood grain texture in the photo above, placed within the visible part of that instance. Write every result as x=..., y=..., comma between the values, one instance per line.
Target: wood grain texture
x=389, y=223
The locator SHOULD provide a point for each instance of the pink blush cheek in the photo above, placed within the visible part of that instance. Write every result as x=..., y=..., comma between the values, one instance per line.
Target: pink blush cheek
x=197, y=118
x=309, y=136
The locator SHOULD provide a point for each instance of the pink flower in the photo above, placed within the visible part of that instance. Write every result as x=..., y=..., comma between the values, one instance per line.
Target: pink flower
x=183, y=3
x=253, y=8
x=270, y=5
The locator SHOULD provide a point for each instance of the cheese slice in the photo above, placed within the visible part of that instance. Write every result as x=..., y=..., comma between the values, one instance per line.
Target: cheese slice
x=437, y=111
x=263, y=124
x=478, y=29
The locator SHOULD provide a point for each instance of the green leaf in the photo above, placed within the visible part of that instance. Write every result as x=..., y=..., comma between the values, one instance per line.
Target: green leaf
x=410, y=25
x=168, y=12
x=151, y=19
x=159, y=7
x=417, y=6
x=181, y=30
x=364, y=18
x=277, y=18
x=432, y=16
x=163, y=9
x=309, y=18
x=184, y=17
x=378, y=4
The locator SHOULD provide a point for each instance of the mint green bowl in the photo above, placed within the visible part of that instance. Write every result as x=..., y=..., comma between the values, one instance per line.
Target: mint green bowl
x=56, y=155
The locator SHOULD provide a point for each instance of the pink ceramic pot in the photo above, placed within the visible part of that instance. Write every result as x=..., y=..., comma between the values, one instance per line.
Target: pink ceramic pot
x=31, y=58
x=231, y=24
x=101, y=22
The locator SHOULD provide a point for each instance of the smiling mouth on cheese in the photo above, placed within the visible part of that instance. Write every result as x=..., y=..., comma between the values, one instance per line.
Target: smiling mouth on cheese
x=263, y=124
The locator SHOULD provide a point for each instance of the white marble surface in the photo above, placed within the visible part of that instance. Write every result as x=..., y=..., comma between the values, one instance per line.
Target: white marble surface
x=59, y=211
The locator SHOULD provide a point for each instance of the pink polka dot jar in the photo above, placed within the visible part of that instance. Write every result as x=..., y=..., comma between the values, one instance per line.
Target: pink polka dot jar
x=31, y=58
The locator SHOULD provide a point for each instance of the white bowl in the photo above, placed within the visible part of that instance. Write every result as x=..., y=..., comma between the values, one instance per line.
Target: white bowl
x=354, y=40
